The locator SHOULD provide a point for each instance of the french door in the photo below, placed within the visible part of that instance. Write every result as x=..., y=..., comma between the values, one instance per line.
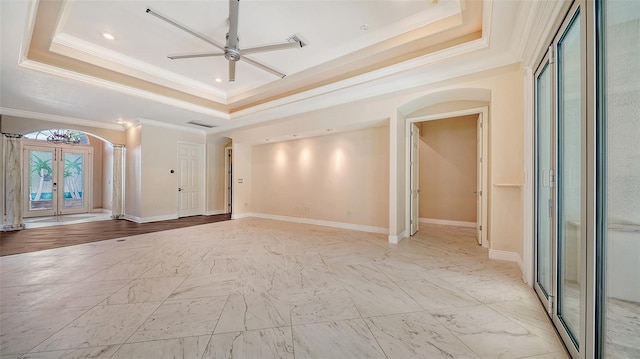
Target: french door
x=57, y=180
x=587, y=233
x=560, y=181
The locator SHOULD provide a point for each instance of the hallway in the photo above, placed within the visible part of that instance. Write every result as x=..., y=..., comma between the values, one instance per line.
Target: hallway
x=259, y=288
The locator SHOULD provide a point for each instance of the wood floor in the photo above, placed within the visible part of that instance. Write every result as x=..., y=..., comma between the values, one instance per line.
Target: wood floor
x=37, y=239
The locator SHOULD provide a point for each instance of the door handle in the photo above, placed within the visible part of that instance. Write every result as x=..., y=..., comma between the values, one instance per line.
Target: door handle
x=179, y=189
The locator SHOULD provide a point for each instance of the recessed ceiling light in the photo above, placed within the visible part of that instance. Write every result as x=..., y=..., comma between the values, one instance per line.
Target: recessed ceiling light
x=107, y=36
x=218, y=79
x=119, y=120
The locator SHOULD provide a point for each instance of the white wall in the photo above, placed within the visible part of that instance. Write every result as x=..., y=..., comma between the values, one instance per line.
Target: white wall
x=133, y=173
x=159, y=199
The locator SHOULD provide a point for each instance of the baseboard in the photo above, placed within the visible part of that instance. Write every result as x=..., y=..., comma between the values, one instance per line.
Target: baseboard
x=131, y=218
x=396, y=238
x=150, y=219
x=318, y=222
x=506, y=256
x=214, y=212
x=446, y=222
x=241, y=215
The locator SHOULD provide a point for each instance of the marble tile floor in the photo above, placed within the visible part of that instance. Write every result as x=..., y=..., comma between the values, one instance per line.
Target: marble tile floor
x=256, y=288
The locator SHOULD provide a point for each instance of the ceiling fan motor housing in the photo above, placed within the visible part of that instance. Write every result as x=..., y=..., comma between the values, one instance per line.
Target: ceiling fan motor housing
x=231, y=53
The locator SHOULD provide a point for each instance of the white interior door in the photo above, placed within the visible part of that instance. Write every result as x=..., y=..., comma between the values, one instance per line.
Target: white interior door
x=479, y=182
x=415, y=178
x=190, y=181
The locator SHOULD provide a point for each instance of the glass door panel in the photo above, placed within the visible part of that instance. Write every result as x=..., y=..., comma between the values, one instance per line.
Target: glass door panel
x=544, y=183
x=619, y=172
x=73, y=193
x=570, y=169
x=40, y=182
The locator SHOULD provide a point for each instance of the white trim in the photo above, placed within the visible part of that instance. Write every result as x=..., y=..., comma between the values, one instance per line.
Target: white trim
x=446, y=222
x=395, y=239
x=113, y=86
x=319, y=222
x=203, y=177
x=132, y=218
x=215, y=212
x=136, y=219
x=241, y=215
x=61, y=119
x=506, y=256
x=171, y=126
x=66, y=45
x=484, y=111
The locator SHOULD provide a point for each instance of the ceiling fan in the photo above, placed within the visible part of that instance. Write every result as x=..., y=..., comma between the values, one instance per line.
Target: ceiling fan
x=231, y=51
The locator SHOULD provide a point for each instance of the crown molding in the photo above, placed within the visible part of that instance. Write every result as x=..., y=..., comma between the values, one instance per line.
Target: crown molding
x=113, y=86
x=61, y=119
x=74, y=47
x=171, y=126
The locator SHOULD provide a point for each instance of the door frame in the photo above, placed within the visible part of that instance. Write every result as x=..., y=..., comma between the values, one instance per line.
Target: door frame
x=228, y=182
x=414, y=180
x=57, y=168
x=482, y=111
x=203, y=193
x=547, y=62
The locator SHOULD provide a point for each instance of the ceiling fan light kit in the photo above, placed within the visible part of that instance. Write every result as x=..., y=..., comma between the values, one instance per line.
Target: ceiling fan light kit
x=231, y=51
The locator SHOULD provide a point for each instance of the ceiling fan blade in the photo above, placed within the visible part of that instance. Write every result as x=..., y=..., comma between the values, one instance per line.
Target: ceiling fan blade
x=274, y=47
x=194, y=55
x=232, y=71
x=234, y=5
x=184, y=28
x=263, y=66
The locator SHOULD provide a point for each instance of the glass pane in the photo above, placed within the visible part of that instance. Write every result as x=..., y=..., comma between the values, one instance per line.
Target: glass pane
x=543, y=232
x=620, y=57
x=569, y=178
x=40, y=180
x=73, y=180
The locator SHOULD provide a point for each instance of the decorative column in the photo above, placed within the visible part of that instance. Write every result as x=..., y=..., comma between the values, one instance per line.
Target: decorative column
x=13, y=183
x=117, y=204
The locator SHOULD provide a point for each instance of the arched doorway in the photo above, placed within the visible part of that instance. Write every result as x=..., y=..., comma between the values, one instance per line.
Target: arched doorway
x=66, y=176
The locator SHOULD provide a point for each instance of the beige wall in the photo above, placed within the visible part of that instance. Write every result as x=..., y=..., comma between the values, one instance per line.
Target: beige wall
x=342, y=177
x=133, y=173
x=159, y=157
x=448, y=169
x=215, y=164
x=242, y=180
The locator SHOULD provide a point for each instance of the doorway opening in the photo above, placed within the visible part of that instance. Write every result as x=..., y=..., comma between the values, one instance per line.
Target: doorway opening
x=447, y=179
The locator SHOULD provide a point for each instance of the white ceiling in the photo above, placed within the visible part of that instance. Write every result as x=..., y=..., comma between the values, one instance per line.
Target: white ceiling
x=65, y=89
